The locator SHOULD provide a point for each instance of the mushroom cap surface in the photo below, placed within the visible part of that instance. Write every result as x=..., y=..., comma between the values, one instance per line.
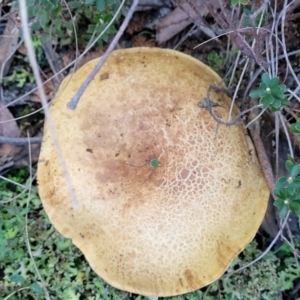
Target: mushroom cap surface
x=153, y=230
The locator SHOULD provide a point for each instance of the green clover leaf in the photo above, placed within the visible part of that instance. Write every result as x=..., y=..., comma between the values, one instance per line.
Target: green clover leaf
x=287, y=190
x=270, y=93
x=255, y=94
x=295, y=208
x=267, y=100
x=265, y=78
x=235, y=2
x=295, y=171
x=295, y=127
x=282, y=207
x=273, y=83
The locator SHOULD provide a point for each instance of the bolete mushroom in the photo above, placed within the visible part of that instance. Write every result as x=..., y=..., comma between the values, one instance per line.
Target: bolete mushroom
x=166, y=201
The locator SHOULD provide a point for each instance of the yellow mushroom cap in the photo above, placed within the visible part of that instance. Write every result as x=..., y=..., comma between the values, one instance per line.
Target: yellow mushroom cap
x=148, y=229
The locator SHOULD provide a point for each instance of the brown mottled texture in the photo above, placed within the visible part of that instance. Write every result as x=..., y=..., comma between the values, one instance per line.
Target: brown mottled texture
x=154, y=231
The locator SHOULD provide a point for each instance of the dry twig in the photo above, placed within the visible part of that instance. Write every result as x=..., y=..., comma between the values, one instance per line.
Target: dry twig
x=20, y=141
x=73, y=103
x=208, y=104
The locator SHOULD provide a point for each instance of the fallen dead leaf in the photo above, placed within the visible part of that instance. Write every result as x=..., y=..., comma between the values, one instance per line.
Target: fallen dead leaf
x=8, y=44
x=178, y=19
x=7, y=129
x=21, y=159
x=14, y=157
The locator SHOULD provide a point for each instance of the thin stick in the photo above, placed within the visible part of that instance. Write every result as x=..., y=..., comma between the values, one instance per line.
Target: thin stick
x=199, y=22
x=20, y=141
x=35, y=69
x=27, y=240
x=15, y=183
x=132, y=165
x=281, y=118
x=17, y=291
x=263, y=159
x=282, y=15
x=73, y=103
x=208, y=104
x=256, y=118
x=265, y=252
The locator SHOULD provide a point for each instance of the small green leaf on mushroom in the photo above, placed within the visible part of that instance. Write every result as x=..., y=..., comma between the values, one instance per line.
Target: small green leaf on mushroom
x=154, y=163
